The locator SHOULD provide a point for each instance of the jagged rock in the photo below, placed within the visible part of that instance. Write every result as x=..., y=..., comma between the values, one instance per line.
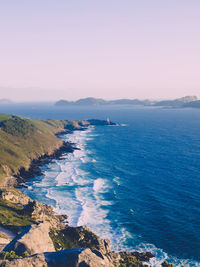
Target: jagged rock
x=86, y=235
x=166, y=264
x=41, y=213
x=9, y=181
x=14, y=196
x=53, y=153
x=37, y=211
x=65, y=258
x=33, y=239
x=141, y=256
x=134, y=259
x=76, y=237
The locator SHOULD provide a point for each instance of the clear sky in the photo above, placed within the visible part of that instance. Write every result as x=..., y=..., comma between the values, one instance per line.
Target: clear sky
x=52, y=49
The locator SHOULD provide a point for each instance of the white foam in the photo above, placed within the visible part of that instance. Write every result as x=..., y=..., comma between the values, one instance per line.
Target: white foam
x=117, y=180
x=161, y=256
x=82, y=199
x=100, y=185
x=30, y=187
x=66, y=204
x=93, y=215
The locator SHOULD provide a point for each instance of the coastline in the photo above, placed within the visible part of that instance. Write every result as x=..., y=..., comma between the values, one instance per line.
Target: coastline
x=65, y=148
x=36, y=164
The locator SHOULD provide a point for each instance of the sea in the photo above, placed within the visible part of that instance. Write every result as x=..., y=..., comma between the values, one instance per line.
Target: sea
x=136, y=183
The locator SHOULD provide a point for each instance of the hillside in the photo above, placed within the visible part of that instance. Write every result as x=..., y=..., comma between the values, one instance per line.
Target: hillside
x=23, y=140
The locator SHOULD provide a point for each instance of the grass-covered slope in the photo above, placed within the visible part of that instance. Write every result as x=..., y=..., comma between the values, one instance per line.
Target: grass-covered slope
x=22, y=140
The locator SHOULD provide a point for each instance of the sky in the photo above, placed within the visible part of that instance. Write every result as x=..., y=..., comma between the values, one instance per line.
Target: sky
x=60, y=49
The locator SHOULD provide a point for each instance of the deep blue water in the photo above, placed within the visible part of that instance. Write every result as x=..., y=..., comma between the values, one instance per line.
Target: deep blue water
x=137, y=184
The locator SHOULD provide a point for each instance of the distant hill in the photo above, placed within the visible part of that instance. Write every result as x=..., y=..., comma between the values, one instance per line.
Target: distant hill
x=193, y=104
x=5, y=101
x=183, y=102
x=91, y=101
x=179, y=102
x=130, y=102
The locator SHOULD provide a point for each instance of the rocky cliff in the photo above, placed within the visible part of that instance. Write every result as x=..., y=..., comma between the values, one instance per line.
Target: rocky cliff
x=47, y=241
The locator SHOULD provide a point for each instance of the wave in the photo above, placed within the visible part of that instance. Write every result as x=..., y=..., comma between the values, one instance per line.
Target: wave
x=80, y=195
x=161, y=256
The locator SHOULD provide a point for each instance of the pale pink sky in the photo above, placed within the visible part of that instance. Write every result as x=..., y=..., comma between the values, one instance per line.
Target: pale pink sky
x=109, y=49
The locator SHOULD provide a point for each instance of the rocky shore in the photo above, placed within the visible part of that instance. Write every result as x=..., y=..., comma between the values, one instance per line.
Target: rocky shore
x=35, y=165
x=43, y=238
x=48, y=241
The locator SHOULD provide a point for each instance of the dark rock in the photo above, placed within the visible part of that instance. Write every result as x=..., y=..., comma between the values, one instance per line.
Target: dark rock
x=166, y=264
x=34, y=168
x=142, y=256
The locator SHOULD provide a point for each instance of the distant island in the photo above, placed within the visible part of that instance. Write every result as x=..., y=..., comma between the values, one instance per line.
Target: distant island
x=183, y=102
x=5, y=101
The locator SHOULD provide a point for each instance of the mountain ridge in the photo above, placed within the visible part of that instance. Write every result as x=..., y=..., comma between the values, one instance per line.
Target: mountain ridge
x=91, y=101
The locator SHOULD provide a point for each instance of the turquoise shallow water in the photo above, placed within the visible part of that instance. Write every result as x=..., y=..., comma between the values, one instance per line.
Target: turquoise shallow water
x=137, y=183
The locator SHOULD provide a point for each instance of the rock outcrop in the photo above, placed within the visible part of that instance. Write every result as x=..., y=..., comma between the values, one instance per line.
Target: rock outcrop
x=41, y=213
x=79, y=237
x=166, y=264
x=49, y=242
x=33, y=239
x=14, y=196
x=64, y=258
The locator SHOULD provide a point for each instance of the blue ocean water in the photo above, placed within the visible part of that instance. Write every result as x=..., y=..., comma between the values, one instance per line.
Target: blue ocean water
x=137, y=183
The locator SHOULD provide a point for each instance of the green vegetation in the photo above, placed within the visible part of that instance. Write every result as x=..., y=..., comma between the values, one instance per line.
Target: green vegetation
x=131, y=262
x=10, y=255
x=12, y=216
x=73, y=237
x=2, y=235
x=17, y=126
x=22, y=140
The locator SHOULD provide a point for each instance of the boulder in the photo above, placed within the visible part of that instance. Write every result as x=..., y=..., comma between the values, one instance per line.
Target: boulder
x=166, y=264
x=33, y=239
x=140, y=256
x=65, y=258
